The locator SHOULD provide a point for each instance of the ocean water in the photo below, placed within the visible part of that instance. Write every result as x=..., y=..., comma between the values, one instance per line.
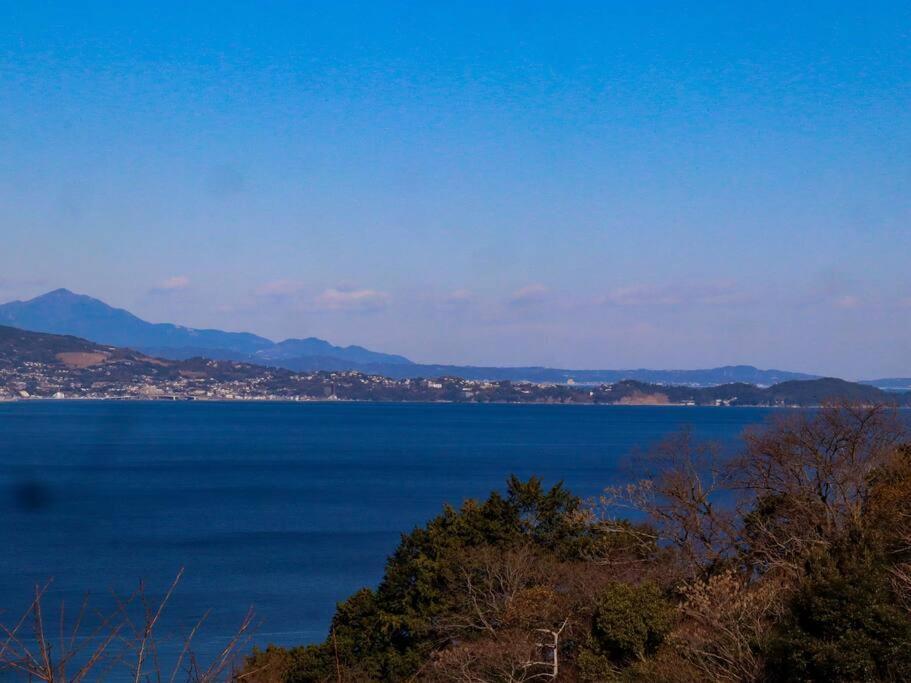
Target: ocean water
x=286, y=507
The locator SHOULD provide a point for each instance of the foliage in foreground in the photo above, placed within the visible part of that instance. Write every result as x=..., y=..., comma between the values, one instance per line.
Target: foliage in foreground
x=121, y=645
x=790, y=562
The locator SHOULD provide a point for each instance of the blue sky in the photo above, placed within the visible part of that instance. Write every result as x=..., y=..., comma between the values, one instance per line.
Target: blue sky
x=574, y=184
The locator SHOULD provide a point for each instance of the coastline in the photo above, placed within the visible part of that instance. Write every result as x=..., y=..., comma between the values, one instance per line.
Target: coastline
x=323, y=401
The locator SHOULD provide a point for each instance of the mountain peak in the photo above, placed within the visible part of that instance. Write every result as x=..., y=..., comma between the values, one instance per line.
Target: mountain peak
x=62, y=311
x=61, y=295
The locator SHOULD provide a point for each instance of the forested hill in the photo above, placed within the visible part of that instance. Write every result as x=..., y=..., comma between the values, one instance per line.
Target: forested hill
x=793, y=393
x=18, y=347
x=789, y=562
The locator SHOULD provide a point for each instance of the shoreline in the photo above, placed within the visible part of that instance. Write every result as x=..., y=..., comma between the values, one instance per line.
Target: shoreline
x=34, y=399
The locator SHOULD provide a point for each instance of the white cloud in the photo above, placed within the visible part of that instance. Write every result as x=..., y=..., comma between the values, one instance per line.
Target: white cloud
x=848, y=301
x=359, y=300
x=528, y=295
x=173, y=283
x=458, y=298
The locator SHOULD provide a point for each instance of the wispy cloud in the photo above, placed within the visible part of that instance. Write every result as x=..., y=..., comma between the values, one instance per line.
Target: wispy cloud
x=848, y=301
x=172, y=284
x=459, y=298
x=460, y=295
x=705, y=294
x=279, y=288
x=355, y=300
x=528, y=296
x=642, y=295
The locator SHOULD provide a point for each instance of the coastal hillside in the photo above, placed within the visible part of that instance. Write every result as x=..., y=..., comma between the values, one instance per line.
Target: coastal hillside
x=38, y=365
x=707, y=377
x=664, y=578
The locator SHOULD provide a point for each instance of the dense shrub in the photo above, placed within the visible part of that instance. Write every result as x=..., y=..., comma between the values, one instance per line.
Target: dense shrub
x=843, y=623
x=630, y=622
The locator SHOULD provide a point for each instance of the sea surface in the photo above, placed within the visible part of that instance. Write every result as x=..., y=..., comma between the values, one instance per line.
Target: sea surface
x=288, y=507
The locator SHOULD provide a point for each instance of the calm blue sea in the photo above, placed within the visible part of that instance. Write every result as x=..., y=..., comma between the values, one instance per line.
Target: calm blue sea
x=286, y=507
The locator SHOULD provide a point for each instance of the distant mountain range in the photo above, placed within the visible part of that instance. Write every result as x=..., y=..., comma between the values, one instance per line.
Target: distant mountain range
x=891, y=383
x=64, y=312
x=695, y=378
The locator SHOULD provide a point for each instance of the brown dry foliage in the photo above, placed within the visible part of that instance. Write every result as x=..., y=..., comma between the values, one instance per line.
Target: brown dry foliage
x=725, y=618
x=810, y=479
x=679, y=495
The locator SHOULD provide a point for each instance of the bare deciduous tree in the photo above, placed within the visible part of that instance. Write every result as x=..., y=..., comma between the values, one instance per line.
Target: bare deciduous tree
x=491, y=580
x=683, y=495
x=117, y=641
x=507, y=628
x=810, y=477
x=513, y=657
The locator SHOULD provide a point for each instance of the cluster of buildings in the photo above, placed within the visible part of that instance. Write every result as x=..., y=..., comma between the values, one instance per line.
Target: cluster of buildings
x=226, y=380
x=119, y=374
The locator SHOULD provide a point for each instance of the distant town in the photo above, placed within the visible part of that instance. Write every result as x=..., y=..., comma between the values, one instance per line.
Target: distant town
x=45, y=366
x=39, y=380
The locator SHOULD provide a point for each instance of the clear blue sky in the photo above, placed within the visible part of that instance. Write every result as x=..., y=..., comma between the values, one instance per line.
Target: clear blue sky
x=575, y=184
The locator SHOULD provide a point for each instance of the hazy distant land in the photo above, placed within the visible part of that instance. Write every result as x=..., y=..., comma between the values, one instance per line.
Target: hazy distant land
x=65, y=313
x=38, y=365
